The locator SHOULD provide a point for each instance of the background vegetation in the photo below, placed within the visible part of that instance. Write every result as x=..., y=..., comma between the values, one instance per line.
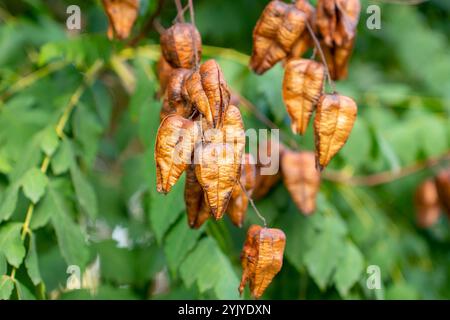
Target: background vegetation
x=89, y=186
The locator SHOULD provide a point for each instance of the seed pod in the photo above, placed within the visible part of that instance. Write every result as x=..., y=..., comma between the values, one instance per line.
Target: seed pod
x=209, y=92
x=442, y=181
x=334, y=120
x=217, y=161
x=182, y=45
x=337, y=20
x=337, y=58
x=426, y=201
x=173, y=150
x=276, y=31
x=196, y=207
x=304, y=41
x=176, y=92
x=164, y=70
x=121, y=15
x=301, y=179
x=302, y=85
x=166, y=109
x=237, y=207
x=261, y=258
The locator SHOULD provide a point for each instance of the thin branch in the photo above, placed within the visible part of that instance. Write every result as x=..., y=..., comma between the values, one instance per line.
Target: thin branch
x=191, y=11
x=180, y=15
x=253, y=205
x=148, y=25
x=322, y=56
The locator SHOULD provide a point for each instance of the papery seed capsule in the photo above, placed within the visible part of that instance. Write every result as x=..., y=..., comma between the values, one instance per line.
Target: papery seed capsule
x=121, y=15
x=426, y=201
x=164, y=70
x=196, y=207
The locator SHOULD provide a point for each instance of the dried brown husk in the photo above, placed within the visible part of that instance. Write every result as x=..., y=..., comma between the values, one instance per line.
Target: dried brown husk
x=121, y=15
x=337, y=20
x=176, y=92
x=337, y=58
x=261, y=258
x=442, y=181
x=335, y=116
x=166, y=109
x=275, y=33
x=175, y=142
x=208, y=92
x=182, y=45
x=304, y=41
x=196, y=207
x=238, y=204
x=302, y=86
x=426, y=201
x=164, y=70
x=217, y=161
x=301, y=179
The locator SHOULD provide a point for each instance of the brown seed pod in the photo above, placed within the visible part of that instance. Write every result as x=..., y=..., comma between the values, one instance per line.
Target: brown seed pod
x=442, y=181
x=163, y=70
x=166, y=109
x=426, y=201
x=261, y=258
x=209, y=92
x=276, y=31
x=173, y=150
x=217, y=161
x=335, y=116
x=121, y=15
x=238, y=204
x=304, y=41
x=196, y=207
x=182, y=45
x=337, y=20
x=302, y=85
x=337, y=58
x=301, y=178
x=176, y=92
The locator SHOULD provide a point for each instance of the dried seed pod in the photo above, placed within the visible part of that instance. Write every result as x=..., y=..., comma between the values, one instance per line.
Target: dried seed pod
x=276, y=31
x=238, y=204
x=261, y=258
x=337, y=58
x=335, y=116
x=176, y=92
x=304, y=41
x=196, y=207
x=337, y=20
x=209, y=92
x=164, y=70
x=426, y=201
x=166, y=109
x=301, y=178
x=442, y=181
x=302, y=85
x=217, y=161
x=182, y=45
x=121, y=15
x=173, y=150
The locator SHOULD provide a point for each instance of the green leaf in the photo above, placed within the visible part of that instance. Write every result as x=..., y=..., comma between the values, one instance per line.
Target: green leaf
x=31, y=262
x=70, y=238
x=117, y=264
x=11, y=244
x=349, y=268
x=41, y=215
x=179, y=241
x=9, y=201
x=63, y=158
x=50, y=140
x=84, y=191
x=6, y=287
x=23, y=293
x=34, y=183
x=3, y=265
x=165, y=209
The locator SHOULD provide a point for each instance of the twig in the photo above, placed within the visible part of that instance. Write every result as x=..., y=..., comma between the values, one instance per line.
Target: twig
x=180, y=15
x=191, y=11
x=322, y=56
x=158, y=26
x=148, y=25
x=253, y=204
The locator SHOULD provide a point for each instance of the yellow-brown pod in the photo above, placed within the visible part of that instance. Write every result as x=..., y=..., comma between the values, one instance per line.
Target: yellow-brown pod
x=304, y=41
x=176, y=92
x=301, y=179
x=173, y=150
x=337, y=58
x=121, y=15
x=182, y=45
x=217, y=161
x=163, y=70
x=166, y=109
x=208, y=91
x=196, y=208
x=335, y=116
x=426, y=201
x=442, y=181
x=261, y=258
x=238, y=204
x=302, y=86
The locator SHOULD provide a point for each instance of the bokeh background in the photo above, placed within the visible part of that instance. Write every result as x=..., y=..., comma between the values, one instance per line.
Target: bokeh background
x=96, y=207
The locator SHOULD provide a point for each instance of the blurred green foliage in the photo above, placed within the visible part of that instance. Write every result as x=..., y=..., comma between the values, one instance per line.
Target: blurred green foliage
x=96, y=205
